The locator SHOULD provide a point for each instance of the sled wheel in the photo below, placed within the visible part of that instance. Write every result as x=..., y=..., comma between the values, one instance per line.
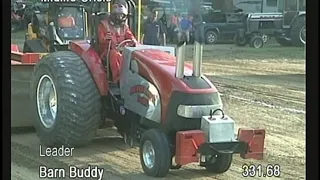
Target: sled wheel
x=256, y=42
x=155, y=156
x=298, y=31
x=66, y=100
x=219, y=163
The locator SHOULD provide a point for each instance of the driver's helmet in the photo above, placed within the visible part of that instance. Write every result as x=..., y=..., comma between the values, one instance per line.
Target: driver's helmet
x=119, y=13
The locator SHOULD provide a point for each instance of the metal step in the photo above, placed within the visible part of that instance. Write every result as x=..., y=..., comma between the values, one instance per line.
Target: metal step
x=114, y=88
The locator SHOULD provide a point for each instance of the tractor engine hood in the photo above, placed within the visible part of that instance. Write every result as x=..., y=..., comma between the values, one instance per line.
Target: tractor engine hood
x=157, y=66
x=158, y=63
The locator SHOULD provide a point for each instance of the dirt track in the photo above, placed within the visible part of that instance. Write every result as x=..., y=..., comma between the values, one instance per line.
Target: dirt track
x=261, y=88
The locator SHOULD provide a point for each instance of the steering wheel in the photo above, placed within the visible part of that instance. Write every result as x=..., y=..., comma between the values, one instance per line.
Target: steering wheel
x=121, y=45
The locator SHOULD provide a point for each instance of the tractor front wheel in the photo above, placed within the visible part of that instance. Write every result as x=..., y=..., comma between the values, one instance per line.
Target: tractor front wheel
x=219, y=163
x=66, y=100
x=155, y=156
x=256, y=42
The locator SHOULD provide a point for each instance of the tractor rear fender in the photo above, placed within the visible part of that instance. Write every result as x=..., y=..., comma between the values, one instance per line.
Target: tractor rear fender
x=94, y=64
x=297, y=17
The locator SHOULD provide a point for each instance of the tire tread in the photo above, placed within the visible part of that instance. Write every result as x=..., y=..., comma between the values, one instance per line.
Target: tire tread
x=163, y=161
x=79, y=106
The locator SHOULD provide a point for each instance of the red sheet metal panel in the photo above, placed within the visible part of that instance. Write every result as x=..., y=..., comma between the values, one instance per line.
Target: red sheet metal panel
x=187, y=143
x=255, y=139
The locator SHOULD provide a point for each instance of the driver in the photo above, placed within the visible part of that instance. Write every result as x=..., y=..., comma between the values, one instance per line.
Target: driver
x=112, y=31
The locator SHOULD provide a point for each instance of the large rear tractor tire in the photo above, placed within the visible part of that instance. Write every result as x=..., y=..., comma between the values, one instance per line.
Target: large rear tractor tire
x=66, y=100
x=219, y=163
x=155, y=154
x=298, y=32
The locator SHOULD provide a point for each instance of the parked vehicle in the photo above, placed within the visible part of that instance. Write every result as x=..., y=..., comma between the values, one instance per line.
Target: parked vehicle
x=292, y=30
x=288, y=26
x=219, y=25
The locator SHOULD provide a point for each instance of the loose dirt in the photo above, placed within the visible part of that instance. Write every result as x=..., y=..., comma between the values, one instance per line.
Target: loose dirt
x=273, y=75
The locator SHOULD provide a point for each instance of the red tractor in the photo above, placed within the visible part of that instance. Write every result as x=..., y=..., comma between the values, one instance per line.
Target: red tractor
x=169, y=107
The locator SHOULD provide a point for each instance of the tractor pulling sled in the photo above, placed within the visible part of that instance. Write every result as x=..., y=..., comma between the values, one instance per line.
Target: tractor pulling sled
x=169, y=107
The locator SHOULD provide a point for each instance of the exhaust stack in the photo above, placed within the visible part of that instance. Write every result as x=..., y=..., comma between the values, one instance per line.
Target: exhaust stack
x=197, y=59
x=181, y=53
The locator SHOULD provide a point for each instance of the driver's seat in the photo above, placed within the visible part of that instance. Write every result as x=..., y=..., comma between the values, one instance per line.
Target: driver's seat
x=67, y=27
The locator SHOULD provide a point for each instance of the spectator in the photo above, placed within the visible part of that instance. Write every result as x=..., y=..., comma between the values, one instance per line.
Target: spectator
x=163, y=20
x=179, y=17
x=174, y=20
x=185, y=27
x=154, y=33
x=197, y=22
x=191, y=32
x=174, y=26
